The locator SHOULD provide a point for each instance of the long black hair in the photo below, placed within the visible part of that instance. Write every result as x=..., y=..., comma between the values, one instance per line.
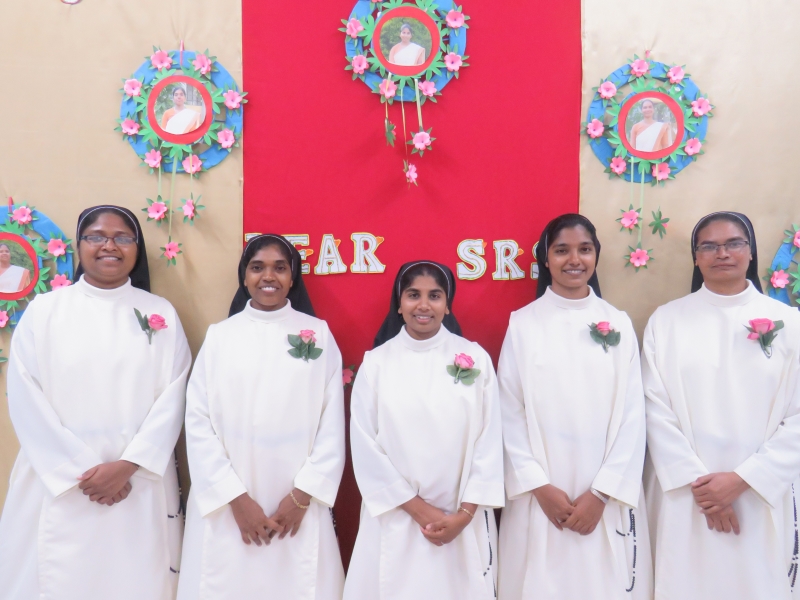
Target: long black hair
x=549, y=235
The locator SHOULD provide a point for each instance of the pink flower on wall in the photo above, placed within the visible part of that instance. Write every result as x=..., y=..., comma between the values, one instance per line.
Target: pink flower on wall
x=422, y=140
x=411, y=174
x=192, y=164
x=130, y=127
x=3, y=318
x=22, y=215
x=60, y=281
x=388, y=88
x=595, y=128
x=347, y=376
x=618, y=165
x=157, y=211
x=779, y=279
x=455, y=19
x=607, y=90
x=171, y=250
x=133, y=87
x=675, y=74
x=233, y=99
x=226, y=138
x=359, y=64
x=639, y=67
x=152, y=158
x=354, y=26
x=639, y=258
x=188, y=209
x=700, y=107
x=630, y=219
x=661, y=171
x=693, y=146
x=202, y=63
x=453, y=61
x=56, y=247
x=796, y=240
x=428, y=88
x=160, y=60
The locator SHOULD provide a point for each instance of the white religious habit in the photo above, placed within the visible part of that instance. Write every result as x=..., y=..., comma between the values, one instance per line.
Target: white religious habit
x=716, y=403
x=261, y=422
x=573, y=417
x=414, y=432
x=86, y=387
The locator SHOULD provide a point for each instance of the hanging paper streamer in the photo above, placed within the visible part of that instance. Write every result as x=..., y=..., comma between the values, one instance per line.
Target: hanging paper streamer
x=408, y=51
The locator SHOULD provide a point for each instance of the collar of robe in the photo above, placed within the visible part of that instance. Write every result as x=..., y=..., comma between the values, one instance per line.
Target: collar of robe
x=268, y=316
x=739, y=299
x=423, y=345
x=103, y=294
x=568, y=303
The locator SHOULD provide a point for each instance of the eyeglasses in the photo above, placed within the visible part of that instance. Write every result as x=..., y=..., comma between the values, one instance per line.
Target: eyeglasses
x=99, y=240
x=732, y=246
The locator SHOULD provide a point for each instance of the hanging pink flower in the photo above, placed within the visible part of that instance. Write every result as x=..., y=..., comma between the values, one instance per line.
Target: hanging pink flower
x=595, y=128
x=152, y=158
x=422, y=140
x=202, y=63
x=22, y=215
x=56, y=247
x=428, y=88
x=779, y=279
x=132, y=87
x=693, y=146
x=411, y=174
x=157, y=211
x=3, y=318
x=700, y=107
x=354, y=26
x=455, y=19
x=630, y=219
x=388, y=88
x=192, y=164
x=171, y=250
x=189, y=209
x=796, y=240
x=675, y=74
x=639, y=258
x=226, y=138
x=607, y=90
x=130, y=127
x=60, y=281
x=160, y=60
x=233, y=99
x=359, y=64
x=618, y=165
x=639, y=67
x=661, y=171
x=453, y=61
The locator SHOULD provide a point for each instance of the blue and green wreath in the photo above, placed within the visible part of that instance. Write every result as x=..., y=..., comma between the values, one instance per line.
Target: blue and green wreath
x=783, y=283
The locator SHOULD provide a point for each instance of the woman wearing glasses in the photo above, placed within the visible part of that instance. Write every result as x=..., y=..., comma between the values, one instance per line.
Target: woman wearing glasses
x=723, y=427
x=96, y=396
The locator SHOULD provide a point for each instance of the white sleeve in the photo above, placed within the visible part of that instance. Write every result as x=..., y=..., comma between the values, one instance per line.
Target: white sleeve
x=214, y=482
x=57, y=455
x=153, y=446
x=382, y=487
x=322, y=471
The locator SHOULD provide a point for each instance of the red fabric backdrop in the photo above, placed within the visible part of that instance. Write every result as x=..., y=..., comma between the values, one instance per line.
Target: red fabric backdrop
x=504, y=163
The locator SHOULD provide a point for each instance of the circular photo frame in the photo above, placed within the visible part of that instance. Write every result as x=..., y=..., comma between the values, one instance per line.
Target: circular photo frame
x=651, y=125
x=19, y=267
x=180, y=110
x=406, y=41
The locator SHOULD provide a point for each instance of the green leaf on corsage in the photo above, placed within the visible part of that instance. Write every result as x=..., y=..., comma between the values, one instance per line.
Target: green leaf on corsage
x=604, y=334
x=304, y=346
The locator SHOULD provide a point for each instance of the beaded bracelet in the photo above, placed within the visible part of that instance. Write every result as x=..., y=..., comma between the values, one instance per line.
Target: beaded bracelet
x=296, y=503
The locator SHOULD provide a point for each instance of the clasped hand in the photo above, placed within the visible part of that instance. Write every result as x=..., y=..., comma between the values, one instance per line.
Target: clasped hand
x=256, y=527
x=438, y=527
x=108, y=483
x=581, y=516
x=715, y=494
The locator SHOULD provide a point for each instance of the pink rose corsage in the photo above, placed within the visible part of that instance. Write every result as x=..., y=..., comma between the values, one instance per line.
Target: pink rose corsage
x=604, y=334
x=463, y=369
x=150, y=325
x=304, y=346
x=764, y=331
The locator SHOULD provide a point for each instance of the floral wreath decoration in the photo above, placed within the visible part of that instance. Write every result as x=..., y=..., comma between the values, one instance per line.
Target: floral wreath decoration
x=606, y=126
x=447, y=25
x=782, y=283
x=193, y=151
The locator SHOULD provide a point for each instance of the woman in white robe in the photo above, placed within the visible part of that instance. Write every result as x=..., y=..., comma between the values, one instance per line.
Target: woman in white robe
x=427, y=453
x=649, y=135
x=723, y=428
x=13, y=278
x=181, y=118
x=574, y=525
x=406, y=53
x=265, y=440
x=97, y=404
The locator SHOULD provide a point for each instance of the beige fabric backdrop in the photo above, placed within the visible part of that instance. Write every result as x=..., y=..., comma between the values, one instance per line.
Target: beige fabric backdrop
x=59, y=80
x=740, y=53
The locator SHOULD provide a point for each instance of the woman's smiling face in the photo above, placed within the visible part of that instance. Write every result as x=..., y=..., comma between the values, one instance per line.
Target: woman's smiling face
x=405, y=35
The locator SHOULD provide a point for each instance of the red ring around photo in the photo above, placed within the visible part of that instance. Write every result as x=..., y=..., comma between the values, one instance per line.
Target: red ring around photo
x=26, y=245
x=674, y=108
x=182, y=138
x=411, y=12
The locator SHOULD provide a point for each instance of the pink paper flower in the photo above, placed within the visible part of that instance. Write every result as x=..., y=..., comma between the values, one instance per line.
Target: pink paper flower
x=604, y=328
x=347, y=376
x=639, y=257
x=130, y=127
x=132, y=87
x=455, y=19
x=607, y=90
x=353, y=27
x=171, y=250
x=60, y=281
x=779, y=279
x=202, y=63
x=453, y=61
x=189, y=209
x=796, y=240
x=192, y=164
x=464, y=361
x=422, y=140
x=307, y=336
x=428, y=88
x=233, y=99
x=160, y=60
x=693, y=146
x=700, y=107
x=639, y=67
x=388, y=88
x=618, y=165
x=661, y=171
x=760, y=327
x=152, y=158
x=630, y=219
x=411, y=174
x=595, y=128
x=226, y=138
x=3, y=318
x=22, y=215
x=675, y=74
x=359, y=64
x=56, y=247
x=157, y=211
x=156, y=322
